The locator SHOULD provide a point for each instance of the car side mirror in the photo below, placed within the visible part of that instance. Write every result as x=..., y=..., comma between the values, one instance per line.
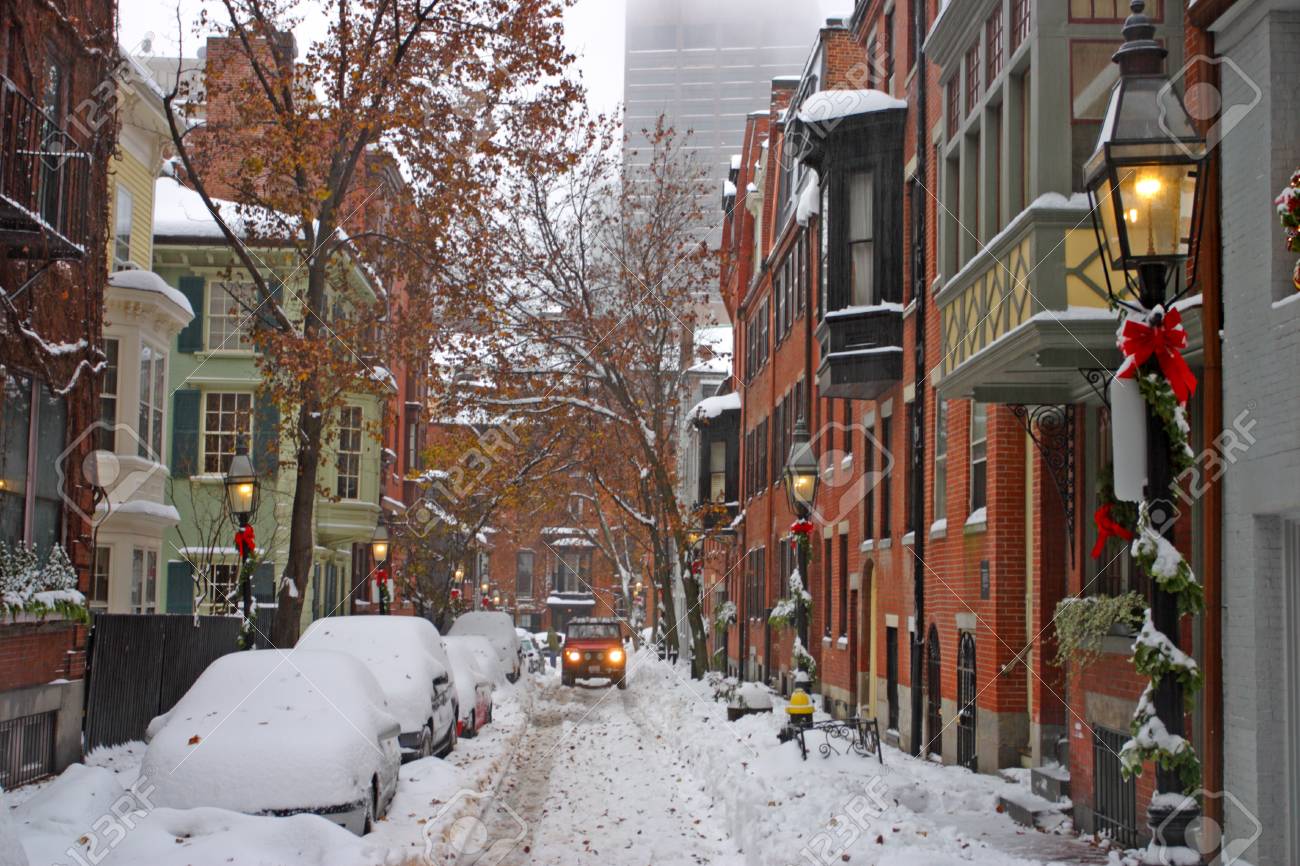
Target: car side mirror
x=441, y=680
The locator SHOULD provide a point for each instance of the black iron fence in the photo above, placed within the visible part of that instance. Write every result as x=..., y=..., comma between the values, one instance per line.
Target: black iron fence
x=26, y=749
x=1114, y=797
x=139, y=666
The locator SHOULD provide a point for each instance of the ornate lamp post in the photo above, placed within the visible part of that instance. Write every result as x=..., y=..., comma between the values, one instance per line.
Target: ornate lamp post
x=1145, y=180
x=242, y=490
x=379, y=550
x=801, y=478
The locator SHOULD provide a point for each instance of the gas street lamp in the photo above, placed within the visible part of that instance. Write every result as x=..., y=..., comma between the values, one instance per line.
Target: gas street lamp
x=801, y=478
x=241, y=499
x=1145, y=181
x=801, y=473
x=379, y=550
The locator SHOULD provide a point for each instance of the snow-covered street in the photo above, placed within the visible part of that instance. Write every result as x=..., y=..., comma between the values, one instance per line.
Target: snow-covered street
x=652, y=774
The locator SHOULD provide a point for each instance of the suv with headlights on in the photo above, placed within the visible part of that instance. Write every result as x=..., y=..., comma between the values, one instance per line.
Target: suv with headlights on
x=593, y=649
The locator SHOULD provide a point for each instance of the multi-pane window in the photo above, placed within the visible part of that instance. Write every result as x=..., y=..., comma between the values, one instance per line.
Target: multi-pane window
x=1019, y=23
x=952, y=94
x=33, y=430
x=889, y=50
x=124, y=205
x=826, y=586
x=524, y=560
x=97, y=598
x=757, y=334
x=940, y=459
x=224, y=592
x=153, y=396
x=106, y=434
x=993, y=43
x=760, y=443
x=887, y=482
x=230, y=324
x=227, y=421
x=861, y=244
x=349, y=456
x=972, y=77
x=574, y=571
x=718, y=471
x=844, y=585
x=909, y=416
x=144, y=580
x=979, y=455
x=1107, y=10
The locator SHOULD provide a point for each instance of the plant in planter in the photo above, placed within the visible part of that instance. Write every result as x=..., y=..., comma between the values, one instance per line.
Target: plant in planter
x=1082, y=623
x=29, y=586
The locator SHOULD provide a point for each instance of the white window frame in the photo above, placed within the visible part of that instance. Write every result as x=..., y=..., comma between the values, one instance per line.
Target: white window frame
x=236, y=333
x=144, y=580
x=153, y=400
x=862, y=292
x=222, y=454
x=123, y=205
x=979, y=453
x=348, y=463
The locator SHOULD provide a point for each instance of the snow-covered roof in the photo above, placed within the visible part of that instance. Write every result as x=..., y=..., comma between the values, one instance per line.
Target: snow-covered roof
x=735, y=162
x=179, y=212
x=712, y=407
x=834, y=104
x=148, y=281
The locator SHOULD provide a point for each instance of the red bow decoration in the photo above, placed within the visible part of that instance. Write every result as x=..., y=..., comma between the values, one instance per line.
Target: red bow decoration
x=381, y=575
x=244, y=543
x=802, y=527
x=697, y=567
x=1107, y=528
x=1165, y=340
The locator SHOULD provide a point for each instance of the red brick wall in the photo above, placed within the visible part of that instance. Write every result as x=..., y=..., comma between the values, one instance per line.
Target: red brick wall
x=34, y=654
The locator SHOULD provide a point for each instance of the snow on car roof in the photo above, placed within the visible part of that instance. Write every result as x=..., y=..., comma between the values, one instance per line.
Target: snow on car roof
x=396, y=649
x=270, y=729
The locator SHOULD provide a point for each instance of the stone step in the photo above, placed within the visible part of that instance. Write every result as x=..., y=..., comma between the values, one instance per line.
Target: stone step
x=1029, y=810
x=1051, y=782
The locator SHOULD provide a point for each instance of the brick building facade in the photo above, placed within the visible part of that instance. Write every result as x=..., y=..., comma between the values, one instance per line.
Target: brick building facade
x=839, y=221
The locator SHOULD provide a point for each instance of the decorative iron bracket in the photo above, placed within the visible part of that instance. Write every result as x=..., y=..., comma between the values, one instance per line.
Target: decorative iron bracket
x=1098, y=378
x=1052, y=427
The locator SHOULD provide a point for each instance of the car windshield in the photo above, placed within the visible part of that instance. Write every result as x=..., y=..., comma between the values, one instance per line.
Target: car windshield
x=594, y=630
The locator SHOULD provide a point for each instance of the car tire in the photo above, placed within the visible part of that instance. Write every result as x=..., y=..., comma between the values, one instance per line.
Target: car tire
x=426, y=739
x=471, y=728
x=488, y=720
x=622, y=681
x=372, y=806
x=566, y=679
x=449, y=742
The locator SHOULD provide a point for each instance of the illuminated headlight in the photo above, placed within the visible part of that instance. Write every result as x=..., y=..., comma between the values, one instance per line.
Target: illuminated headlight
x=616, y=655
x=574, y=656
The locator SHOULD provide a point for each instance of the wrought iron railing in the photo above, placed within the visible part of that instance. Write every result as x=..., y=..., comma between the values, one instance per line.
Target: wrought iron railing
x=44, y=179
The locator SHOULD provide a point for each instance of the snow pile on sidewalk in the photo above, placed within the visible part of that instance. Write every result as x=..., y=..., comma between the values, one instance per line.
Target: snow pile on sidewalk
x=845, y=808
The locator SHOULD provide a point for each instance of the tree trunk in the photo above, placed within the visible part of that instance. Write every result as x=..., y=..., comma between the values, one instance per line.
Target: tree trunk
x=695, y=617
x=302, y=541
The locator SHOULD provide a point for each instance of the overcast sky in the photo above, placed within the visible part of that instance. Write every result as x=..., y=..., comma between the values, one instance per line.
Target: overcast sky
x=593, y=32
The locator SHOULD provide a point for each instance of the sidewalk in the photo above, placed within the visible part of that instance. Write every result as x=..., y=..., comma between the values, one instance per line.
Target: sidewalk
x=782, y=810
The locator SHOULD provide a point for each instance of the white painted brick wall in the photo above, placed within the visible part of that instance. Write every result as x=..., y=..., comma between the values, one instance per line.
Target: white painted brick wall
x=1261, y=375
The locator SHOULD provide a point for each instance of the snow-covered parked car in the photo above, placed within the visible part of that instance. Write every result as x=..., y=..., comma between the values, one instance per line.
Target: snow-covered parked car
x=406, y=656
x=278, y=732
x=532, y=654
x=473, y=684
x=499, y=630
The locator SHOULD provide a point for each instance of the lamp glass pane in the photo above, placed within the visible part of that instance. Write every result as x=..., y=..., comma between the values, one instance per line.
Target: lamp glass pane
x=1156, y=200
x=1107, y=208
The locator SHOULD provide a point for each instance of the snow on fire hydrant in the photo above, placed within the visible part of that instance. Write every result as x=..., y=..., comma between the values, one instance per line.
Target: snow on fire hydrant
x=800, y=712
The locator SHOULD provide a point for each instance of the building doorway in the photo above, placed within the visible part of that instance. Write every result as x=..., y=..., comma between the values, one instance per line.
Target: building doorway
x=966, y=703
x=933, y=695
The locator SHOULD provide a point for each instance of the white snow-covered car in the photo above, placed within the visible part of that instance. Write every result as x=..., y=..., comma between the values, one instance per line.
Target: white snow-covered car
x=406, y=656
x=498, y=628
x=532, y=654
x=279, y=732
x=474, y=685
